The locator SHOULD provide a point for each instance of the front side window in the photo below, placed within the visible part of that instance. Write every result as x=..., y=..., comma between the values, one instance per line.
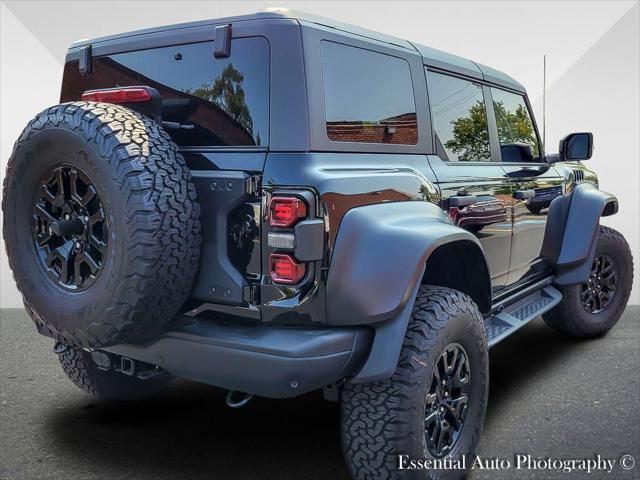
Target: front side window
x=368, y=96
x=518, y=139
x=459, y=118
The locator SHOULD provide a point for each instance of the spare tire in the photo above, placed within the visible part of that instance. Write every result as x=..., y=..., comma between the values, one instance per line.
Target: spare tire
x=101, y=224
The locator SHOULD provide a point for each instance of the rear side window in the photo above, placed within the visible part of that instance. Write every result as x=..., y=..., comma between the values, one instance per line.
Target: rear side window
x=368, y=96
x=459, y=118
x=515, y=127
x=218, y=101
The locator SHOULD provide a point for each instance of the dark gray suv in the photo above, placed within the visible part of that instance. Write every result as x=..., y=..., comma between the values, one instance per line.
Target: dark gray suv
x=279, y=203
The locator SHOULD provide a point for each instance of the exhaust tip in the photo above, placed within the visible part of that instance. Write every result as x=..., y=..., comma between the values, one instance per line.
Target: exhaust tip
x=240, y=402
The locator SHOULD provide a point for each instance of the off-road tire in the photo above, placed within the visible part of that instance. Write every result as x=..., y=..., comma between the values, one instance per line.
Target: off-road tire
x=384, y=419
x=570, y=317
x=152, y=217
x=108, y=384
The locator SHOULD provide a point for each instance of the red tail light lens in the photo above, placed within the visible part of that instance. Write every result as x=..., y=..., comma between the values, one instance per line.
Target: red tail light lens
x=117, y=95
x=284, y=269
x=286, y=211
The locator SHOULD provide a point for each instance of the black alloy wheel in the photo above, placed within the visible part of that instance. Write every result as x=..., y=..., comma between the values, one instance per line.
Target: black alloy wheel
x=433, y=406
x=592, y=308
x=69, y=228
x=597, y=294
x=447, y=400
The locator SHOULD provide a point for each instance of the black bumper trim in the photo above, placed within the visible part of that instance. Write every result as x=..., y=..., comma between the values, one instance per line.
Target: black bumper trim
x=267, y=360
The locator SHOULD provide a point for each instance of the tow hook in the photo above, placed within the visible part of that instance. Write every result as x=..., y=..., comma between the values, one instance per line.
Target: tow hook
x=59, y=348
x=246, y=397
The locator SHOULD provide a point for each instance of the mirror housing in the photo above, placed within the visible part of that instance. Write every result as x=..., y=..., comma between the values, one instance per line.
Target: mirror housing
x=516, y=152
x=576, y=146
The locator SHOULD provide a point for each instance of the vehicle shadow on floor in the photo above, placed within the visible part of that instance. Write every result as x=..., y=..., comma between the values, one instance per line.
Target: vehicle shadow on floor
x=532, y=349
x=189, y=431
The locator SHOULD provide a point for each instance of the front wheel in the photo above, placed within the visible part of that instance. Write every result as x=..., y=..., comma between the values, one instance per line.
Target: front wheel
x=593, y=308
x=434, y=404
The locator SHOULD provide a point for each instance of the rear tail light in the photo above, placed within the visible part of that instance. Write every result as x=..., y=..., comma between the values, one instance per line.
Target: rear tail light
x=118, y=95
x=286, y=211
x=284, y=269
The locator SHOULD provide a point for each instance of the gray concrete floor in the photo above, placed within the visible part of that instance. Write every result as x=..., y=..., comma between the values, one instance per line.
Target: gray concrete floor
x=550, y=396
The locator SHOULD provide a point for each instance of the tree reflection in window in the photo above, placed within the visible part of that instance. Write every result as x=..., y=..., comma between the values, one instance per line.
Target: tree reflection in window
x=470, y=140
x=459, y=118
x=227, y=93
x=214, y=102
x=513, y=120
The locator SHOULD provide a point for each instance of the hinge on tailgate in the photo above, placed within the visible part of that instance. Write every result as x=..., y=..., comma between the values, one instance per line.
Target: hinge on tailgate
x=252, y=186
x=251, y=294
x=222, y=41
x=84, y=63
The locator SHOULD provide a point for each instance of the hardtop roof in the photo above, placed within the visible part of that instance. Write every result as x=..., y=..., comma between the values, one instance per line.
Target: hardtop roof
x=432, y=57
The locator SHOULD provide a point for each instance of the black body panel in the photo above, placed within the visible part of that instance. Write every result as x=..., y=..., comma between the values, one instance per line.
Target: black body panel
x=340, y=182
x=488, y=216
x=530, y=217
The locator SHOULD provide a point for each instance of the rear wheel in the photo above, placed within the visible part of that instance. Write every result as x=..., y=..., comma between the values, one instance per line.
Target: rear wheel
x=593, y=308
x=434, y=404
x=108, y=384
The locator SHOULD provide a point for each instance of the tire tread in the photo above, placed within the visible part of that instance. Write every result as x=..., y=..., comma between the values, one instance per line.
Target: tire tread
x=162, y=220
x=376, y=417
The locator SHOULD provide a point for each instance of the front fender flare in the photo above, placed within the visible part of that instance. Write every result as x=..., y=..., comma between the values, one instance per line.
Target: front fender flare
x=572, y=231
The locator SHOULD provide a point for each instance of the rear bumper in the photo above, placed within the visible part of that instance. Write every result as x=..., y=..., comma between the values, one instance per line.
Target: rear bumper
x=266, y=360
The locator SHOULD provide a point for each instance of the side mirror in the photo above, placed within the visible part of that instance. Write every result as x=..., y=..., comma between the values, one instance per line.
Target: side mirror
x=576, y=146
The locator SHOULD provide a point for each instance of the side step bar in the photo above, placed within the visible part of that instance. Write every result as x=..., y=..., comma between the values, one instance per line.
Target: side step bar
x=503, y=323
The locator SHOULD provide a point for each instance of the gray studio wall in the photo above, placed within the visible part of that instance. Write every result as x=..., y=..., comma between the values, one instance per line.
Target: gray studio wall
x=592, y=53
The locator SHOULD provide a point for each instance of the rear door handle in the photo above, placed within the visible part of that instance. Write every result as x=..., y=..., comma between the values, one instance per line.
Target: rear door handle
x=524, y=194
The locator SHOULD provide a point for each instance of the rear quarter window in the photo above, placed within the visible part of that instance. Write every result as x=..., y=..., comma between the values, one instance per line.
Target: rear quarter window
x=218, y=101
x=368, y=96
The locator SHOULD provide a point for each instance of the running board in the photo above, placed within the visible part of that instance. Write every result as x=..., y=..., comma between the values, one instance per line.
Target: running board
x=511, y=318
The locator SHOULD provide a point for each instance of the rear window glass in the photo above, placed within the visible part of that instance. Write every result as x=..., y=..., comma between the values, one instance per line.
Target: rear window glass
x=218, y=101
x=368, y=96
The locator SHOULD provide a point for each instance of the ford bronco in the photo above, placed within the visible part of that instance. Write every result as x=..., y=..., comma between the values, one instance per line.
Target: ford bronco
x=279, y=203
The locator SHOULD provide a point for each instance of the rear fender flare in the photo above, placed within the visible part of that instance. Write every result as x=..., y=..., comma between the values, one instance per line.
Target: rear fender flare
x=377, y=266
